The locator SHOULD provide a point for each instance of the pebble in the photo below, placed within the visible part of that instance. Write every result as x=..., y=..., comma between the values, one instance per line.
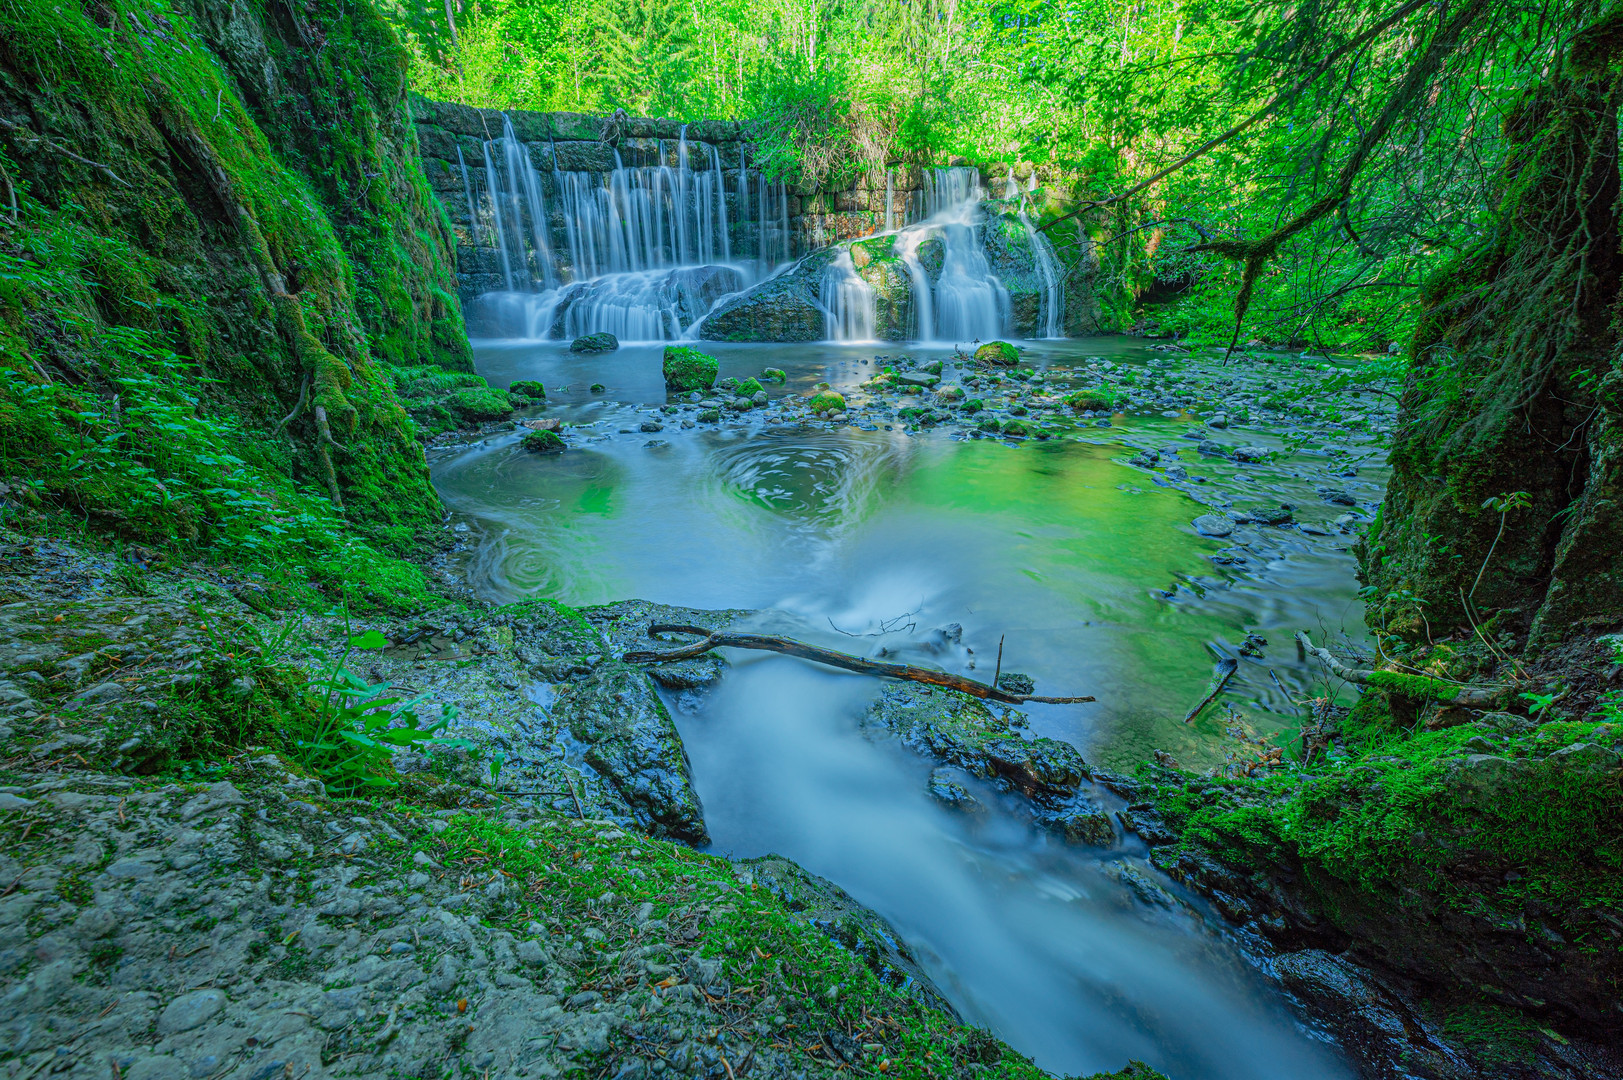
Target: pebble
x=1213, y=525
x=190, y=1010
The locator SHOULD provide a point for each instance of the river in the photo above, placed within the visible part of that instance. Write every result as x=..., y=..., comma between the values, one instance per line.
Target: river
x=1085, y=571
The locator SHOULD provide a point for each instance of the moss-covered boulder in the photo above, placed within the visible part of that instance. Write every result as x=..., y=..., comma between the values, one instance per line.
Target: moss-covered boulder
x=748, y=388
x=529, y=388
x=542, y=442
x=595, y=343
x=773, y=374
x=689, y=369
x=826, y=401
x=477, y=404
x=1099, y=397
x=997, y=354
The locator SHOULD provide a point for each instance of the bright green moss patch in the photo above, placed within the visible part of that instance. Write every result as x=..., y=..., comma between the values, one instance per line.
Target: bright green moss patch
x=688, y=369
x=1414, y=686
x=826, y=401
x=998, y=354
x=1102, y=397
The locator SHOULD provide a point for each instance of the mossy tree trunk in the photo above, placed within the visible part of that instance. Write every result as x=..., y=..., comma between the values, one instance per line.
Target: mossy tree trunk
x=1517, y=387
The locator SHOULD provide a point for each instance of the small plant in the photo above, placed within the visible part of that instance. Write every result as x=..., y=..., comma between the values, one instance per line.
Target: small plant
x=358, y=728
x=1504, y=506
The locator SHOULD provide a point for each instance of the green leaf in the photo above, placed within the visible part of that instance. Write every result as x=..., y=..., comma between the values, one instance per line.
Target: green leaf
x=372, y=639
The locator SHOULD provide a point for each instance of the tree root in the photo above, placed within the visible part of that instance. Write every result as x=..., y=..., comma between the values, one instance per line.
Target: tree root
x=790, y=647
x=1415, y=686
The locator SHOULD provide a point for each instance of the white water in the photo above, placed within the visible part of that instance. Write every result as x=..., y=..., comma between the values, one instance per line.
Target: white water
x=1053, y=309
x=647, y=249
x=849, y=312
x=966, y=302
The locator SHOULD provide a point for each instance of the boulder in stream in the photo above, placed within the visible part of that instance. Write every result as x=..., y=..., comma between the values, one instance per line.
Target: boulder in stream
x=688, y=369
x=595, y=343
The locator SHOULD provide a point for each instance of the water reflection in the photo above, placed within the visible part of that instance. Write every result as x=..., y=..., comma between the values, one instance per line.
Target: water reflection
x=1086, y=572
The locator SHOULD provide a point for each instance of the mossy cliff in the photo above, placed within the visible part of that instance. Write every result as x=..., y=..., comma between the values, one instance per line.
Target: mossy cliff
x=1503, y=506
x=216, y=234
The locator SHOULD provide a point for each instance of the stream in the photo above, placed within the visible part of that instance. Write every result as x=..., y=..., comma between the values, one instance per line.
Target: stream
x=940, y=549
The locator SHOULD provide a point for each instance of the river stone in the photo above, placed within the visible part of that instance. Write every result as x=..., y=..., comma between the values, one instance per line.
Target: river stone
x=1082, y=822
x=595, y=343
x=688, y=369
x=1041, y=767
x=783, y=308
x=947, y=789
x=633, y=744
x=917, y=378
x=190, y=1010
x=1213, y=525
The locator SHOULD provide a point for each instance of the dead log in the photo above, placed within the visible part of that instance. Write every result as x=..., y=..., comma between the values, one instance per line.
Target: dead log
x=790, y=647
x=1414, y=686
x=1222, y=672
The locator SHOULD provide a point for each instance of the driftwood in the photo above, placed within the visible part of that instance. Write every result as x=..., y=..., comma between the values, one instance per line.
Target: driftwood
x=790, y=647
x=1413, y=685
x=1222, y=672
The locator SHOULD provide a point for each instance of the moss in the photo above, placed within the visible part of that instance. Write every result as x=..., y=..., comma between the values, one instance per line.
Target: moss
x=529, y=388
x=688, y=369
x=1422, y=687
x=542, y=442
x=748, y=388
x=773, y=374
x=1494, y=1035
x=826, y=401
x=1101, y=397
x=998, y=354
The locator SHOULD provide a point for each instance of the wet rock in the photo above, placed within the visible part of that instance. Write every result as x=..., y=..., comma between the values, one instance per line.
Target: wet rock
x=688, y=369
x=1213, y=525
x=595, y=343
x=1337, y=496
x=632, y=743
x=1082, y=821
x=783, y=308
x=1251, y=455
x=865, y=933
x=543, y=442
x=997, y=354
x=1016, y=683
x=1373, y=1023
x=962, y=731
x=189, y=1011
x=948, y=789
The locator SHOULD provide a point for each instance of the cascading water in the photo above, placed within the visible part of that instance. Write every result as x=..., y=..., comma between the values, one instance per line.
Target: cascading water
x=467, y=190
x=1053, y=310
x=849, y=304
x=962, y=300
x=646, y=250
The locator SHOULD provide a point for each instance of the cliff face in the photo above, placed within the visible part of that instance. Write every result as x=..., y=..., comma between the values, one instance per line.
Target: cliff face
x=220, y=232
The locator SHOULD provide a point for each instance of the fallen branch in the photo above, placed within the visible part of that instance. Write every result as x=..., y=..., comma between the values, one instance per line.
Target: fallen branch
x=1222, y=672
x=55, y=147
x=1415, y=686
x=790, y=647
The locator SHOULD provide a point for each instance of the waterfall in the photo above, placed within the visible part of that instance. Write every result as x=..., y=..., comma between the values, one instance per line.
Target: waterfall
x=643, y=252
x=890, y=195
x=849, y=303
x=494, y=190
x=967, y=302
x=1053, y=287
x=467, y=190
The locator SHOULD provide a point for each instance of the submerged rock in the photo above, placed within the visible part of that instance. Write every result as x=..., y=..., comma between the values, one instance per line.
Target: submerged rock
x=595, y=343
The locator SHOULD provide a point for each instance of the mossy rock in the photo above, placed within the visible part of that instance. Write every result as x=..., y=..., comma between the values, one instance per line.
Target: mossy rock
x=972, y=406
x=1101, y=397
x=773, y=374
x=529, y=388
x=998, y=354
x=826, y=401
x=595, y=343
x=748, y=388
x=474, y=404
x=689, y=369
x=542, y=442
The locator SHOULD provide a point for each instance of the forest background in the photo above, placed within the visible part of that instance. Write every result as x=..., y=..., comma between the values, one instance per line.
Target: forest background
x=1100, y=98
